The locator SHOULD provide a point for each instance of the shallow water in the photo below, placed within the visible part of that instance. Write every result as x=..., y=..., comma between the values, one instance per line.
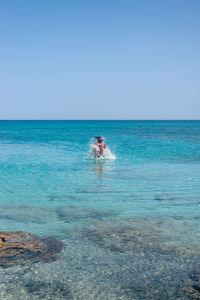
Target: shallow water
x=103, y=210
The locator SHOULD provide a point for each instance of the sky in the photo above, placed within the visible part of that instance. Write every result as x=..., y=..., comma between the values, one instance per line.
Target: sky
x=108, y=59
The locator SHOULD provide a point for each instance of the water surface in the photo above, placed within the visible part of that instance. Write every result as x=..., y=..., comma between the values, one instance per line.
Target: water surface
x=50, y=186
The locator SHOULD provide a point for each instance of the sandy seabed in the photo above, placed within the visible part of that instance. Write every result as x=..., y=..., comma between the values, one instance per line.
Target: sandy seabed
x=138, y=258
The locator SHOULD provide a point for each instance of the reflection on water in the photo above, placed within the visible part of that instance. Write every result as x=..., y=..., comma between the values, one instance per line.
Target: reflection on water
x=101, y=167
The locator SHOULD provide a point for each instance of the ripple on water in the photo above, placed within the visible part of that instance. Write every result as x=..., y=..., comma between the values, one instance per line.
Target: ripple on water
x=137, y=258
x=157, y=255
x=76, y=213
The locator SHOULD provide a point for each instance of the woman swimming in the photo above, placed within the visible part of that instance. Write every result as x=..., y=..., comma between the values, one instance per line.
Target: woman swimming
x=99, y=146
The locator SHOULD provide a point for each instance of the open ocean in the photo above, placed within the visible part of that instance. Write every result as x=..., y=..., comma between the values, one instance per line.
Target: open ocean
x=130, y=226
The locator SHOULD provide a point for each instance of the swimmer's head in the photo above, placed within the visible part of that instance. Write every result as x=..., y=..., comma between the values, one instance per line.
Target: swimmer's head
x=99, y=138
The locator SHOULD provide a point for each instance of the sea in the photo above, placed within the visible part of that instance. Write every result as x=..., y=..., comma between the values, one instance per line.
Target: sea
x=129, y=222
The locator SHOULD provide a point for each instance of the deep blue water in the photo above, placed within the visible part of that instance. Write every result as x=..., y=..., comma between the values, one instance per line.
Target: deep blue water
x=49, y=184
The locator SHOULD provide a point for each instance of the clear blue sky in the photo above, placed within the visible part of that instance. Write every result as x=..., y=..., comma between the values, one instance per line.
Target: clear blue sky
x=108, y=59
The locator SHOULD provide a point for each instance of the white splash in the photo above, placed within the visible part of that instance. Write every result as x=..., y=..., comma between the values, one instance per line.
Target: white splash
x=107, y=154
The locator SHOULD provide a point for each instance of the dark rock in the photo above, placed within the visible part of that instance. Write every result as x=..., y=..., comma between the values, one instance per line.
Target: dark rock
x=195, y=275
x=55, y=289
x=23, y=248
x=197, y=287
x=191, y=293
x=193, y=289
x=2, y=240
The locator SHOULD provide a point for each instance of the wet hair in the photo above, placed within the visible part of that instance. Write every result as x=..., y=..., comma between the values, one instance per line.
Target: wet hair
x=99, y=137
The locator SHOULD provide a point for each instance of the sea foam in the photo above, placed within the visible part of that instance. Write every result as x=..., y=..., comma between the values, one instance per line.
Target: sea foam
x=107, y=154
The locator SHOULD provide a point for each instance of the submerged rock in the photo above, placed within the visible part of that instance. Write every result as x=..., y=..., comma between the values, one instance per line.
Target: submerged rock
x=129, y=235
x=192, y=291
x=22, y=248
x=75, y=213
x=41, y=289
x=159, y=255
x=26, y=214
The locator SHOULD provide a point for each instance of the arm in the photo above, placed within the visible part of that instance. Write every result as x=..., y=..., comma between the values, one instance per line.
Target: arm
x=95, y=151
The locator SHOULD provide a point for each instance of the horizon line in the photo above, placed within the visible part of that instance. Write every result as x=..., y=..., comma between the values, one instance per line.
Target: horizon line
x=99, y=120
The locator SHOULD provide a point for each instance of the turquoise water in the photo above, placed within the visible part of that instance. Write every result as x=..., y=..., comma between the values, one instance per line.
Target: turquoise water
x=50, y=186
